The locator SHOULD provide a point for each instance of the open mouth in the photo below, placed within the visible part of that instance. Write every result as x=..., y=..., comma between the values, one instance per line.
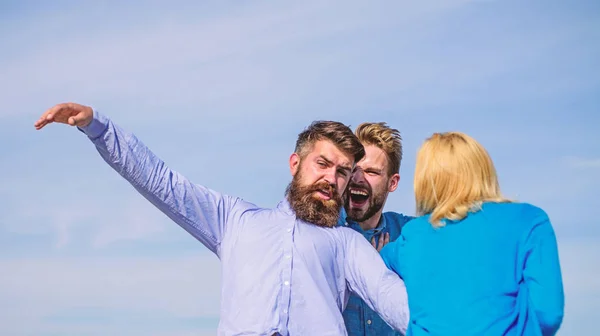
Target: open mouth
x=358, y=197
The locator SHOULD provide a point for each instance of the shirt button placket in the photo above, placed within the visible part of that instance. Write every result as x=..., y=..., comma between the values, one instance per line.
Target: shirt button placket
x=287, y=271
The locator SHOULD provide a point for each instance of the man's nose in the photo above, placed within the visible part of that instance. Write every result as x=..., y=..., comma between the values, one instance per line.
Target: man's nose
x=358, y=176
x=330, y=177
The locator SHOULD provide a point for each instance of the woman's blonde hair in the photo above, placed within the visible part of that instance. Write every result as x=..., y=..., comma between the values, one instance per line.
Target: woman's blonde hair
x=454, y=175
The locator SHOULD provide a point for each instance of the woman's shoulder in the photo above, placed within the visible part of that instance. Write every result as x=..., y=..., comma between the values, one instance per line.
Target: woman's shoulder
x=521, y=209
x=416, y=225
x=520, y=217
x=505, y=211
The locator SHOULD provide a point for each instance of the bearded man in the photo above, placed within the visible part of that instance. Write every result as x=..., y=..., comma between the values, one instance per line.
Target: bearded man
x=285, y=271
x=376, y=175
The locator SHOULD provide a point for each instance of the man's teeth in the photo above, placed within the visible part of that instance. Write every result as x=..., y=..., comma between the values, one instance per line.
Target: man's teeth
x=359, y=192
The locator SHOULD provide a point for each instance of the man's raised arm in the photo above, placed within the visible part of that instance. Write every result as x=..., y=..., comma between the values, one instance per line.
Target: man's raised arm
x=202, y=212
x=380, y=288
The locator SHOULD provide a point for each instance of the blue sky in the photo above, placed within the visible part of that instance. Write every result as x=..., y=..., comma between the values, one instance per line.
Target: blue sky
x=220, y=92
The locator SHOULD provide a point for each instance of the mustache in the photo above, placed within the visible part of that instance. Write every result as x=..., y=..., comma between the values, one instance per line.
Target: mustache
x=322, y=186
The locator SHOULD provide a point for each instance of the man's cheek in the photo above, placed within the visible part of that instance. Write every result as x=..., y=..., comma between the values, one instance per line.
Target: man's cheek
x=342, y=184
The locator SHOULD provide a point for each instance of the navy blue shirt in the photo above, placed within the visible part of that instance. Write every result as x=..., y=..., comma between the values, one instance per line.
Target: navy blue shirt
x=361, y=320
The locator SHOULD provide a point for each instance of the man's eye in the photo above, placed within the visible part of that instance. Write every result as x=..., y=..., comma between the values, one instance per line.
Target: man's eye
x=322, y=164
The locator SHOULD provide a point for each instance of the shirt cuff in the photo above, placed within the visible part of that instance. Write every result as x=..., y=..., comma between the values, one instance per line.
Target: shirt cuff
x=97, y=127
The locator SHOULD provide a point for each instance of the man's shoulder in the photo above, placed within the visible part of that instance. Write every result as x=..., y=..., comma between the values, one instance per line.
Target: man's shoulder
x=397, y=218
x=345, y=233
x=248, y=209
x=343, y=230
x=342, y=218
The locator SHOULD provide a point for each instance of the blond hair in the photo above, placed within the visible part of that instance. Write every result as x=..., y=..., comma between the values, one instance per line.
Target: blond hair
x=454, y=175
x=385, y=138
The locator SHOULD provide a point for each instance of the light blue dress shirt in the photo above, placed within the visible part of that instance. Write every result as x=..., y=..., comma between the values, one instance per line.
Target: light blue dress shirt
x=359, y=318
x=279, y=274
x=496, y=272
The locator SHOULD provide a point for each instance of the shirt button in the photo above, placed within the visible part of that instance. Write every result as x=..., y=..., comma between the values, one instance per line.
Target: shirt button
x=289, y=230
x=368, y=321
x=285, y=311
x=287, y=256
x=287, y=283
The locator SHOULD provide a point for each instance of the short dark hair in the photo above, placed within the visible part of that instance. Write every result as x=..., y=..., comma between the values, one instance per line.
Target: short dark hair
x=336, y=132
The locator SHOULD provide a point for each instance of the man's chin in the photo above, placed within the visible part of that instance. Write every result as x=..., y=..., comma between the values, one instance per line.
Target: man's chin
x=313, y=206
x=355, y=214
x=358, y=209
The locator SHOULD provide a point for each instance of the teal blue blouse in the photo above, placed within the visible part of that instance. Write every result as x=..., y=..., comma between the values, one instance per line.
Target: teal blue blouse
x=496, y=272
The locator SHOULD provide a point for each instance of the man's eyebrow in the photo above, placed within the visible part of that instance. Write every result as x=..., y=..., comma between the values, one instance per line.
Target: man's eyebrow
x=326, y=159
x=373, y=168
x=329, y=162
x=346, y=169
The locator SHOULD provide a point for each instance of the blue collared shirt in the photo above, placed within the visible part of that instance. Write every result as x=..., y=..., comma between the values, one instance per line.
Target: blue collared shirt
x=359, y=318
x=279, y=274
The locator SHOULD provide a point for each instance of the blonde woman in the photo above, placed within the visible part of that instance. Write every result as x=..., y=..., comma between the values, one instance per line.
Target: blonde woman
x=474, y=263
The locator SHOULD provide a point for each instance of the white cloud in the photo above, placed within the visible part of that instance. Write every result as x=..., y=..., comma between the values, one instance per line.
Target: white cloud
x=582, y=163
x=139, y=220
x=50, y=217
x=97, y=220
x=37, y=289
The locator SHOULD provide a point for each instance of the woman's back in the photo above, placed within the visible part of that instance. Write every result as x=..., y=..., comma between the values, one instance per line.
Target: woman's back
x=495, y=272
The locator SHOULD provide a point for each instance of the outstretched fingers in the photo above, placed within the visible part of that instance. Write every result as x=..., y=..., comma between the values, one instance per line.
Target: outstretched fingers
x=67, y=113
x=47, y=117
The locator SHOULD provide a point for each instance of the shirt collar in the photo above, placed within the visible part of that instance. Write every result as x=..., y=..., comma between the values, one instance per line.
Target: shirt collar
x=284, y=205
x=346, y=222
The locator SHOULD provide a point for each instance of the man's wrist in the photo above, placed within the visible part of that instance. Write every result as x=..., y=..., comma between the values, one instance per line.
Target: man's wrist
x=96, y=127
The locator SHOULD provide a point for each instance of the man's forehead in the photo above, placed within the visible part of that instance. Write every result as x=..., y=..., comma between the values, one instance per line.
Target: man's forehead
x=327, y=150
x=374, y=158
x=337, y=160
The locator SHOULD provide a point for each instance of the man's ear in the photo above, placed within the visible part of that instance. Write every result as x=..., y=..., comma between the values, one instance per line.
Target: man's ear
x=294, y=163
x=394, y=182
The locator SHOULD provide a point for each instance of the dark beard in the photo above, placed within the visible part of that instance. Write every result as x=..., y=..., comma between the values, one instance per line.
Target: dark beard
x=311, y=209
x=376, y=202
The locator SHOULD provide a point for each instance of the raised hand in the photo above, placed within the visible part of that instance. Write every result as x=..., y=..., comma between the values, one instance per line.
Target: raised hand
x=67, y=113
x=383, y=239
